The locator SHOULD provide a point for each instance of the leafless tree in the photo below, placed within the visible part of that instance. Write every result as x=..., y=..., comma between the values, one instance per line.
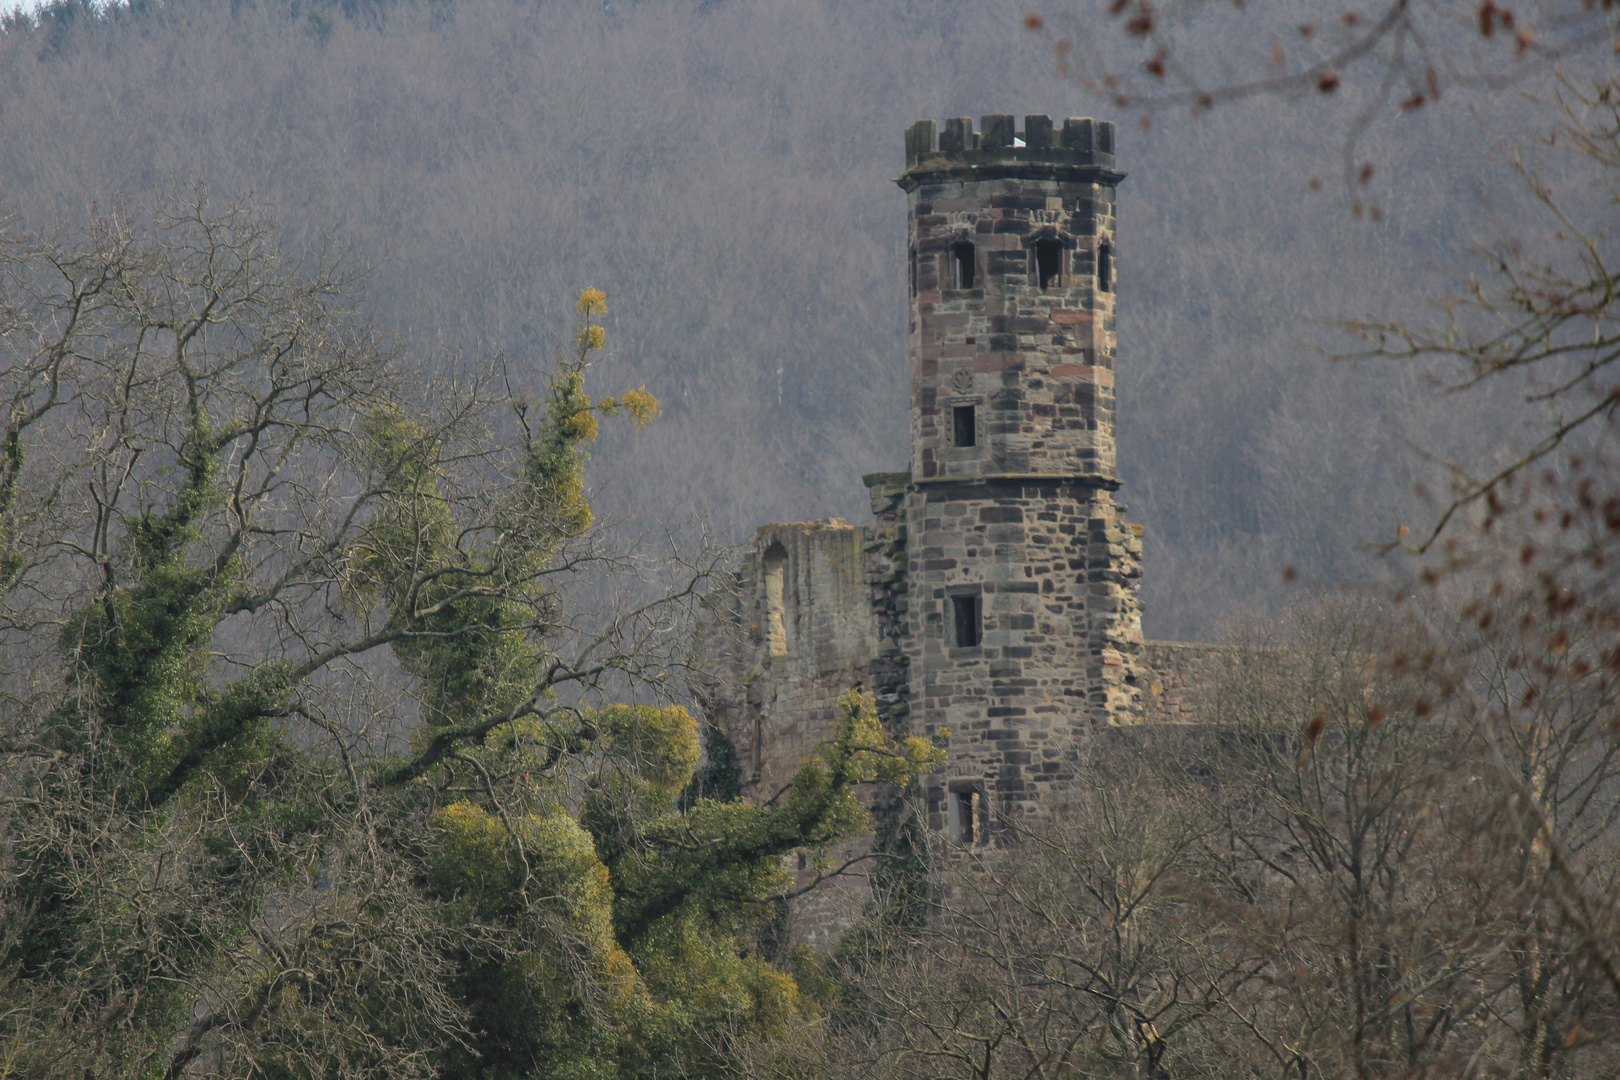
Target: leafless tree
x=1545, y=319
x=1409, y=927
x=241, y=531
x=487, y=158
x=1330, y=872
x=1397, y=55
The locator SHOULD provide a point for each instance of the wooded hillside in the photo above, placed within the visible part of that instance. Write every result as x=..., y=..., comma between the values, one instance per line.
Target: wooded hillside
x=723, y=170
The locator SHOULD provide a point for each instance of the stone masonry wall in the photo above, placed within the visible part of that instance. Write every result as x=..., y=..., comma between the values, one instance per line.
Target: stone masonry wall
x=1012, y=327
x=888, y=585
x=800, y=650
x=1055, y=571
x=995, y=594
x=1035, y=363
x=804, y=632
x=1175, y=673
x=849, y=602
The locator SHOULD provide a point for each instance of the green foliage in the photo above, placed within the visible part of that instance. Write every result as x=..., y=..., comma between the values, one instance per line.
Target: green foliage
x=719, y=854
x=720, y=779
x=466, y=644
x=472, y=642
x=539, y=888
x=900, y=885
x=553, y=477
x=11, y=465
x=145, y=646
x=655, y=901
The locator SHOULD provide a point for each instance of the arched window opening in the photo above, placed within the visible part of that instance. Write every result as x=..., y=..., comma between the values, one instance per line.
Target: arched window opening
x=776, y=622
x=962, y=257
x=1105, y=267
x=1049, y=263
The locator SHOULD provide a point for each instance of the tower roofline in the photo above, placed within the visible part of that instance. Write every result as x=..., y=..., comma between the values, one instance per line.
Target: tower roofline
x=1082, y=150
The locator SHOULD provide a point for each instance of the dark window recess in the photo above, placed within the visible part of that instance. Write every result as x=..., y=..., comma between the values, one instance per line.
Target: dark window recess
x=914, y=271
x=968, y=809
x=1049, y=263
x=962, y=257
x=968, y=629
x=964, y=430
x=1105, y=268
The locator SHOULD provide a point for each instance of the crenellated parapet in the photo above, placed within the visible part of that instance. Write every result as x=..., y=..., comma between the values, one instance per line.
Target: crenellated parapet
x=993, y=602
x=1082, y=150
x=1022, y=625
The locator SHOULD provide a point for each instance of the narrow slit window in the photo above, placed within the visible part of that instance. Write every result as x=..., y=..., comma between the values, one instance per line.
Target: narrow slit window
x=969, y=629
x=964, y=426
x=1049, y=263
x=914, y=270
x=1105, y=267
x=969, y=808
x=776, y=624
x=962, y=258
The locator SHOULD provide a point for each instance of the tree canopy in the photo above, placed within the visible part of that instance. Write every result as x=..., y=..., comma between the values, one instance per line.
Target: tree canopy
x=339, y=740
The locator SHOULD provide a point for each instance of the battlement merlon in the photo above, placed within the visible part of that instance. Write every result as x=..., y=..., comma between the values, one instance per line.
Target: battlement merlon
x=1082, y=150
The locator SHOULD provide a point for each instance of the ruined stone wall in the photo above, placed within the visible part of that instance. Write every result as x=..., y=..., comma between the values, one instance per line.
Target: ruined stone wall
x=804, y=629
x=807, y=634
x=1175, y=673
x=888, y=586
x=858, y=607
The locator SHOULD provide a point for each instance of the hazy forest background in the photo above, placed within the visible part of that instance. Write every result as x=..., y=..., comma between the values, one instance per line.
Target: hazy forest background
x=336, y=740
x=723, y=168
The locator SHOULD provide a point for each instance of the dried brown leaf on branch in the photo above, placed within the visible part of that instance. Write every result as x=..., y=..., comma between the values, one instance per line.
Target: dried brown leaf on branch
x=1391, y=59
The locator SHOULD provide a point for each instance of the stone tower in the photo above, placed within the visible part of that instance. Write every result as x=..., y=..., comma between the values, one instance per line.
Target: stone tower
x=1015, y=620
x=995, y=593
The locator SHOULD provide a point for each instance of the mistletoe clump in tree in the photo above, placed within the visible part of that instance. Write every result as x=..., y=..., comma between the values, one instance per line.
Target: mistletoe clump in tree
x=333, y=742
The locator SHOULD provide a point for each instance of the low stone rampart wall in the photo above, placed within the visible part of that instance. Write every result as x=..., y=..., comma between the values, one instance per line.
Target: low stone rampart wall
x=1175, y=673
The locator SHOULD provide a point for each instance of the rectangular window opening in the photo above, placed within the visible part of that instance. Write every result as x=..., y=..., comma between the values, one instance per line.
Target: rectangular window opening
x=964, y=426
x=969, y=628
x=1049, y=264
x=962, y=256
x=969, y=814
x=1105, y=268
x=914, y=270
x=776, y=620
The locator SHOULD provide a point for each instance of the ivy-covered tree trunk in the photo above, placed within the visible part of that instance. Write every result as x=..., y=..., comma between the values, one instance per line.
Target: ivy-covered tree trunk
x=314, y=762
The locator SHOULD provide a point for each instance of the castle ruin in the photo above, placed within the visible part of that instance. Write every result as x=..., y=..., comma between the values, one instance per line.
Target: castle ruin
x=995, y=593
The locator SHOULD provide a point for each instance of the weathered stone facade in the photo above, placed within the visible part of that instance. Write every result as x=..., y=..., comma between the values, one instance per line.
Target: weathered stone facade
x=995, y=593
x=808, y=636
x=1175, y=671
